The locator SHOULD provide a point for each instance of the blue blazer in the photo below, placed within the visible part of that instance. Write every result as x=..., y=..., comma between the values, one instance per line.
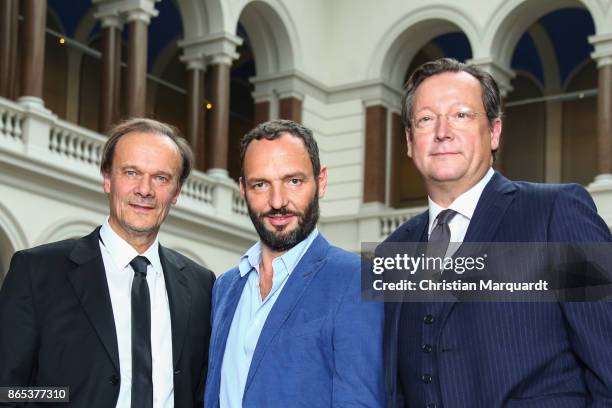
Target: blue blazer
x=321, y=346
x=507, y=354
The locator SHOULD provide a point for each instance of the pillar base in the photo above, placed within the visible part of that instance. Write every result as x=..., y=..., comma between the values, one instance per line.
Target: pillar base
x=218, y=173
x=603, y=181
x=33, y=103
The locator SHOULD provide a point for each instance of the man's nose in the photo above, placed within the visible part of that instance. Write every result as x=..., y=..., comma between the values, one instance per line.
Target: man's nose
x=442, y=128
x=145, y=186
x=278, y=197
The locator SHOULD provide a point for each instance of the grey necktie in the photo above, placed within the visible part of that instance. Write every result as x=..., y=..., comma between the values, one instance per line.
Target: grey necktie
x=440, y=236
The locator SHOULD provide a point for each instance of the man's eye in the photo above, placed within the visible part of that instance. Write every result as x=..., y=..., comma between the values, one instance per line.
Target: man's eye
x=163, y=179
x=424, y=120
x=463, y=115
x=295, y=181
x=130, y=173
x=258, y=185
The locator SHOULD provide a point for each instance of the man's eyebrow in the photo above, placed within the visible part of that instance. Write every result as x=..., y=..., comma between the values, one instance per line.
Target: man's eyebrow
x=296, y=174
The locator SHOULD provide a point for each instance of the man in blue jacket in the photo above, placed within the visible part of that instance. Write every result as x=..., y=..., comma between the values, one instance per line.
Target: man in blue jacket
x=289, y=327
x=497, y=354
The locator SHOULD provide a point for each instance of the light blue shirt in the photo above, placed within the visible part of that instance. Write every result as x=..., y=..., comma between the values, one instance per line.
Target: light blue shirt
x=250, y=317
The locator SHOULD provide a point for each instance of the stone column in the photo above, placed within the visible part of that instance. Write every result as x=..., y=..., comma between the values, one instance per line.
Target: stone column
x=111, y=33
x=196, y=111
x=290, y=107
x=138, y=24
x=33, y=52
x=398, y=151
x=603, y=56
x=8, y=38
x=262, y=111
x=375, y=163
x=218, y=140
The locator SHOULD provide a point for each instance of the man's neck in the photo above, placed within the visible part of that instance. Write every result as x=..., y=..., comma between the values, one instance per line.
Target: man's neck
x=444, y=193
x=139, y=241
x=266, y=273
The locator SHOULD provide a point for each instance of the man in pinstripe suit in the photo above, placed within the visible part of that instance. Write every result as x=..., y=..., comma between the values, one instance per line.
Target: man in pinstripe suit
x=489, y=354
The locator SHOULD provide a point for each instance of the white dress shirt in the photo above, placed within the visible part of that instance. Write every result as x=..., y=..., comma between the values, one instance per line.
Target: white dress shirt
x=117, y=254
x=464, y=205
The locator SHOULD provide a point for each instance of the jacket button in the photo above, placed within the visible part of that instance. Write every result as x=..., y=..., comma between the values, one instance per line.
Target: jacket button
x=427, y=348
x=432, y=406
x=426, y=378
x=428, y=319
x=177, y=372
x=113, y=379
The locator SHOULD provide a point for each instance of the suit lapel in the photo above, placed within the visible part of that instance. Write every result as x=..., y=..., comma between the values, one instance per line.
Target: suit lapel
x=179, y=299
x=492, y=205
x=88, y=279
x=222, y=320
x=494, y=201
x=291, y=293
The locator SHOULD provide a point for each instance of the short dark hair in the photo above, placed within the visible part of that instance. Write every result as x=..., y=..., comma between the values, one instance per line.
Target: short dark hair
x=273, y=130
x=145, y=125
x=491, y=98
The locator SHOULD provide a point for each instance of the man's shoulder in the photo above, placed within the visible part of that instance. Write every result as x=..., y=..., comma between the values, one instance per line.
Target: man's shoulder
x=189, y=263
x=341, y=258
x=55, y=249
x=401, y=232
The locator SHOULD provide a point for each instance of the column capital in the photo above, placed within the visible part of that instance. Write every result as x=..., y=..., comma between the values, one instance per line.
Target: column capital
x=194, y=63
x=603, y=49
x=503, y=74
x=109, y=20
x=129, y=10
x=219, y=48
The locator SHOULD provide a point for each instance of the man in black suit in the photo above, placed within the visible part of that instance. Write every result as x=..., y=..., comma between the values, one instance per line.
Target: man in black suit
x=116, y=317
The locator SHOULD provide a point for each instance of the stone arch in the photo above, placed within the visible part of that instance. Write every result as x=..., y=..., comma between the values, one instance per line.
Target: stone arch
x=401, y=42
x=514, y=17
x=66, y=228
x=12, y=238
x=205, y=17
x=272, y=35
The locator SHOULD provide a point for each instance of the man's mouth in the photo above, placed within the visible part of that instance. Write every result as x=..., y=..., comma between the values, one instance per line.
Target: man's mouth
x=141, y=207
x=279, y=220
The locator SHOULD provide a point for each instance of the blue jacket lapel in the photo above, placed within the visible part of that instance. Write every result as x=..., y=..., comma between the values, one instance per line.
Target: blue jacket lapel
x=492, y=205
x=222, y=316
x=291, y=293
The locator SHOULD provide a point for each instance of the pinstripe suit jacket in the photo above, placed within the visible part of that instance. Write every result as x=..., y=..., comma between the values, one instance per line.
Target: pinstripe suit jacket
x=507, y=354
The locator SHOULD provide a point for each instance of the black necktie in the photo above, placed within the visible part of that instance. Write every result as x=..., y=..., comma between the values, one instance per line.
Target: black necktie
x=142, y=380
x=440, y=236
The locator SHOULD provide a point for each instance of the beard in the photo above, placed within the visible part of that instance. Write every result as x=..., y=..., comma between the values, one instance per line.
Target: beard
x=280, y=241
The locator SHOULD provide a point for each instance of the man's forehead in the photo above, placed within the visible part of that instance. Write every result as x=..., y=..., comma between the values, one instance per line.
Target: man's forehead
x=286, y=155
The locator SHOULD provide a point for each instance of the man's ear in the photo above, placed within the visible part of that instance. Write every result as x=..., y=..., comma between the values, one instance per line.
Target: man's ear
x=241, y=184
x=107, y=182
x=408, y=142
x=496, y=131
x=322, y=181
x=177, y=193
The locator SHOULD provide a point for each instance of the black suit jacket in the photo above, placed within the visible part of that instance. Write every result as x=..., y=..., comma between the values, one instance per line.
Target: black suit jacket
x=57, y=326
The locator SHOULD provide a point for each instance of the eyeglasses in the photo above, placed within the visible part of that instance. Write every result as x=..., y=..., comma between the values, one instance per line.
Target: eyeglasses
x=459, y=119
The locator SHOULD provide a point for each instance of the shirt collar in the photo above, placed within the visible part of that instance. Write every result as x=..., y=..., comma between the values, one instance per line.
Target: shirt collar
x=252, y=258
x=122, y=253
x=465, y=204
